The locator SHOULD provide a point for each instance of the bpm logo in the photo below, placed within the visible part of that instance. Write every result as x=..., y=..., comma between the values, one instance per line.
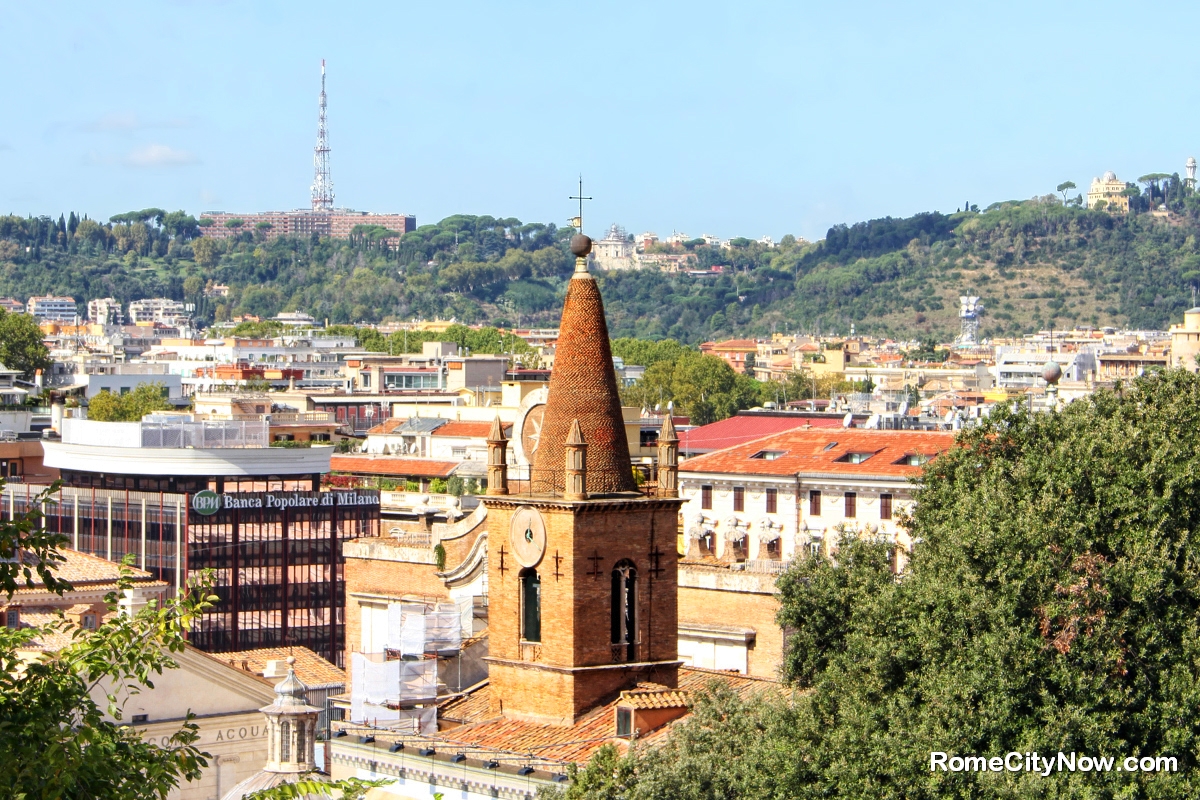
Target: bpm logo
x=206, y=502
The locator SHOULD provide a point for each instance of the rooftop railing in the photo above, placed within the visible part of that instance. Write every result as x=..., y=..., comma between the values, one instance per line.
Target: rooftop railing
x=167, y=432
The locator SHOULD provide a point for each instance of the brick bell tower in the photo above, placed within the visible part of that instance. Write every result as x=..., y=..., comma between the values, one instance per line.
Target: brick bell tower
x=582, y=570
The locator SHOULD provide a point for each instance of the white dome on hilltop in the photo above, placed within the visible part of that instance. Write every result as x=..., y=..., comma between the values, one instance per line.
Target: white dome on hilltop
x=1110, y=176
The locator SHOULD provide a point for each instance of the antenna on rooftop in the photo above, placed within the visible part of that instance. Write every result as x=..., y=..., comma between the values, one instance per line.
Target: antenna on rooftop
x=322, y=188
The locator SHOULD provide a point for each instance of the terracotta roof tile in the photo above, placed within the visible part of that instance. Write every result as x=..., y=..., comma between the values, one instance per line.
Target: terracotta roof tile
x=746, y=427
x=363, y=464
x=826, y=452
x=583, y=386
x=473, y=430
x=659, y=699
x=315, y=671
x=82, y=570
x=576, y=743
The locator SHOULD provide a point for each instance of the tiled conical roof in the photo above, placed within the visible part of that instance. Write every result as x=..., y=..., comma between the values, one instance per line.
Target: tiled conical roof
x=583, y=386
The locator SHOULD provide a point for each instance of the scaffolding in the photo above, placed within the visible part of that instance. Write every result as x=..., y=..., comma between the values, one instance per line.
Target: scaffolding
x=415, y=629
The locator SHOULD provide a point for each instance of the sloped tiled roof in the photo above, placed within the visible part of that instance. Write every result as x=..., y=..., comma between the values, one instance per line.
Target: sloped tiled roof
x=576, y=743
x=315, y=671
x=363, y=464
x=824, y=452
x=744, y=428
x=408, y=425
x=733, y=344
x=653, y=696
x=473, y=430
x=82, y=570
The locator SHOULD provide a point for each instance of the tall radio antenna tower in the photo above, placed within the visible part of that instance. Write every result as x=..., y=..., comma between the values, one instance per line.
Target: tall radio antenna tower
x=322, y=188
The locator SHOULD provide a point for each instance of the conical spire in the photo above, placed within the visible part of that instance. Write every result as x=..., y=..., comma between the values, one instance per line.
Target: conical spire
x=575, y=437
x=583, y=387
x=496, y=434
x=497, y=446
x=667, y=434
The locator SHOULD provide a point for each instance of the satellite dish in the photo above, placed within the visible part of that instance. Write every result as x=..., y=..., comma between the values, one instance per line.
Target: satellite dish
x=670, y=406
x=872, y=422
x=657, y=407
x=848, y=420
x=903, y=408
x=951, y=416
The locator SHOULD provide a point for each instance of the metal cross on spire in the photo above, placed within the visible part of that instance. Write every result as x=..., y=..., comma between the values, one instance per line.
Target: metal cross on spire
x=577, y=222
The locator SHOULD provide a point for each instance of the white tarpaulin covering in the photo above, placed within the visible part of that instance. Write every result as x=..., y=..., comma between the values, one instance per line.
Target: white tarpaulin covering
x=443, y=628
x=415, y=629
x=370, y=713
x=417, y=680
x=395, y=682
x=374, y=681
x=466, y=615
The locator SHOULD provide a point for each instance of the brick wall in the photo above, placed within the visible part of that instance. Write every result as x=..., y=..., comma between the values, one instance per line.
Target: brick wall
x=744, y=609
x=588, y=539
x=389, y=578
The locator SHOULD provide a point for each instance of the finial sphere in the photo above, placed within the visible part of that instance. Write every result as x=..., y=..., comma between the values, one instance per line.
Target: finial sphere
x=581, y=245
x=1052, y=373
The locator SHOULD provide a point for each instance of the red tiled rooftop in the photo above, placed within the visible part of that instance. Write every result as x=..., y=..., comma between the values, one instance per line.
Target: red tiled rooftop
x=83, y=570
x=473, y=430
x=363, y=464
x=744, y=428
x=315, y=671
x=822, y=451
x=576, y=743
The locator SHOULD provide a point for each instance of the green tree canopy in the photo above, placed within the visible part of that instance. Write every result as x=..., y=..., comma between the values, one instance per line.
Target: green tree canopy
x=21, y=345
x=1052, y=605
x=131, y=407
x=61, y=728
x=703, y=387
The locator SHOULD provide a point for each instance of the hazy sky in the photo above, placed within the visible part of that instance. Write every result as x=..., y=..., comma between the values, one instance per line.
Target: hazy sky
x=737, y=119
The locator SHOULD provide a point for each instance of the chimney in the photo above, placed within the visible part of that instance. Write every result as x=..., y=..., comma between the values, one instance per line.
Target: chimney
x=497, y=459
x=575, y=487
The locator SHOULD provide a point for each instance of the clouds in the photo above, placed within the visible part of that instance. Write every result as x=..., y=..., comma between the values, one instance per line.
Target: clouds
x=154, y=156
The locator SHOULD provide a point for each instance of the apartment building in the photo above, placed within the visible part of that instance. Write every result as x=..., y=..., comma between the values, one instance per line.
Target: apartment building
x=51, y=308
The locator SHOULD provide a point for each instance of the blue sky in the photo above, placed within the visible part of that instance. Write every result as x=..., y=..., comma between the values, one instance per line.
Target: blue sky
x=737, y=119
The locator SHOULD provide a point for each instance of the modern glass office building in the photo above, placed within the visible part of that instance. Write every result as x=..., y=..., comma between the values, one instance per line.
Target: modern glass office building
x=226, y=502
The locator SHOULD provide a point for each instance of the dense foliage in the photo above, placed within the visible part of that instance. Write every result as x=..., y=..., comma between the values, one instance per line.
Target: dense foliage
x=21, y=345
x=1051, y=605
x=145, y=398
x=1037, y=262
x=61, y=730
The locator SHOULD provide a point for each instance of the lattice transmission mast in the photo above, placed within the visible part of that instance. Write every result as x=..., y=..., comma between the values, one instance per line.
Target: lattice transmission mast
x=322, y=188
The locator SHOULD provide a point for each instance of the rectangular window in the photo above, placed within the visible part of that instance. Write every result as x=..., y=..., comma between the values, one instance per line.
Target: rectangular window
x=89, y=622
x=706, y=497
x=885, y=506
x=851, y=505
x=13, y=619
x=624, y=722
x=739, y=498
x=772, y=500
x=814, y=504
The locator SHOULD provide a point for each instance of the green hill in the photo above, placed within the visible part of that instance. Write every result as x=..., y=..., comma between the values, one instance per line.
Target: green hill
x=1034, y=263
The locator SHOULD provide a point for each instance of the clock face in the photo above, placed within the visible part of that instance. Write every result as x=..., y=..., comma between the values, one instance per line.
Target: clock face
x=527, y=537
